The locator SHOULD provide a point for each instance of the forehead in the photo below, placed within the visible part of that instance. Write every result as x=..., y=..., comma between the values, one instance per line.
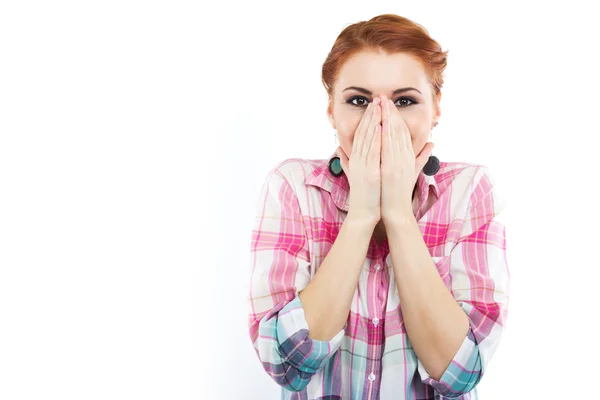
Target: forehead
x=382, y=73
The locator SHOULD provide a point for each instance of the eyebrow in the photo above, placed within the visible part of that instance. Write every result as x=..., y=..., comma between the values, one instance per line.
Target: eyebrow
x=368, y=92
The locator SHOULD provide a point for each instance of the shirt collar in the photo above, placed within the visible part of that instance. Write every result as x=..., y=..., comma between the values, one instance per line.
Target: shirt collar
x=339, y=187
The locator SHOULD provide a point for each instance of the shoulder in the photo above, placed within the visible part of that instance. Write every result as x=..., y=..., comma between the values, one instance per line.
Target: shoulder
x=476, y=184
x=472, y=176
x=294, y=171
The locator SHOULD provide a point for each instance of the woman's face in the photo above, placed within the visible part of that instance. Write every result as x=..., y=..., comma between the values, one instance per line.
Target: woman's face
x=369, y=74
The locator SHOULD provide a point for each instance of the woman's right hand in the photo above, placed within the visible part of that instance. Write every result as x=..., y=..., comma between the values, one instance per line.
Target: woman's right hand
x=362, y=168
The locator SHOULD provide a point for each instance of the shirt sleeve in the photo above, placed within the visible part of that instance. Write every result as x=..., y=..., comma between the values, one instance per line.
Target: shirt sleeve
x=280, y=262
x=480, y=284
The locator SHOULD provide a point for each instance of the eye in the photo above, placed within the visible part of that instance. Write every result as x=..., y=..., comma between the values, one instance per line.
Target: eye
x=405, y=101
x=358, y=101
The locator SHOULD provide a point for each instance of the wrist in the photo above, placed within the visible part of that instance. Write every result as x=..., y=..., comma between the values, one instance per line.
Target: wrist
x=362, y=222
x=398, y=219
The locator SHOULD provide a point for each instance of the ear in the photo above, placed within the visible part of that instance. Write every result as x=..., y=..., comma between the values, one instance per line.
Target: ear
x=438, y=110
x=330, y=112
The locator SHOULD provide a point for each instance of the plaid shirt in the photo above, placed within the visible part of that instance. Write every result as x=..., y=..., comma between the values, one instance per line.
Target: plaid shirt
x=299, y=214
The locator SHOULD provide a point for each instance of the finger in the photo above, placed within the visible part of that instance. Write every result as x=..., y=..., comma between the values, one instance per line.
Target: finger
x=385, y=110
x=423, y=156
x=380, y=110
x=385, y=133
x=375, y=151
x=343, y=159
x=404, y=132
x=359, y=134
x=375, y=120
x=393, y=141
x=408, y=141
x=385, y=116
x=397, y=124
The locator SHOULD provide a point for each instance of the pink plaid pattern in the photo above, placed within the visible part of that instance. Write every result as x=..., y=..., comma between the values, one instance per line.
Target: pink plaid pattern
x=299, y=214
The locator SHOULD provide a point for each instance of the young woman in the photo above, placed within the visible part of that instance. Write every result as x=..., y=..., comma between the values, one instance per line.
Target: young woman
x=379, y=273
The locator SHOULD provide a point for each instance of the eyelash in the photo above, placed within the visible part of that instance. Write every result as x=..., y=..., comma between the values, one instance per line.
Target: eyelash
x=351, y=99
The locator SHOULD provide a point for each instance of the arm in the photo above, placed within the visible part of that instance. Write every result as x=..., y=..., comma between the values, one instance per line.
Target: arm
x=435, y=323
x=454, y=330
x=328, y=296
x=290, y=333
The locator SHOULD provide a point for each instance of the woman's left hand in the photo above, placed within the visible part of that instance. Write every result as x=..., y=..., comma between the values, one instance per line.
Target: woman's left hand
x=399, y=166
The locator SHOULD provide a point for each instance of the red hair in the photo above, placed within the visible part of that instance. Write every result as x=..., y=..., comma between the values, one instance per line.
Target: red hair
x=389, y=33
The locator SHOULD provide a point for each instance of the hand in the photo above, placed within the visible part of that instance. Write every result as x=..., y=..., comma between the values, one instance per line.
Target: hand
x=399, y=167
x=363, y=167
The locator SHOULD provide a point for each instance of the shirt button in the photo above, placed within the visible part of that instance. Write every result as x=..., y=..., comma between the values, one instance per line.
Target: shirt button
x=375, y=321
x=372, y=377
x=377, y=267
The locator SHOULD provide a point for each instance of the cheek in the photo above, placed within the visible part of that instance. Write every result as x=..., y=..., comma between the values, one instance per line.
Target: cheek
x=419, y=131
x=346, y=127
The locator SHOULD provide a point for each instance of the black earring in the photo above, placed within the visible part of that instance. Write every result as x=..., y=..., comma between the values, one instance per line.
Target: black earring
x=432, y=166
x=335, y=167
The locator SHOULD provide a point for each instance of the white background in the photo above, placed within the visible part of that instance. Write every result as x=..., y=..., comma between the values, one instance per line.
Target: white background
x=135, y=136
